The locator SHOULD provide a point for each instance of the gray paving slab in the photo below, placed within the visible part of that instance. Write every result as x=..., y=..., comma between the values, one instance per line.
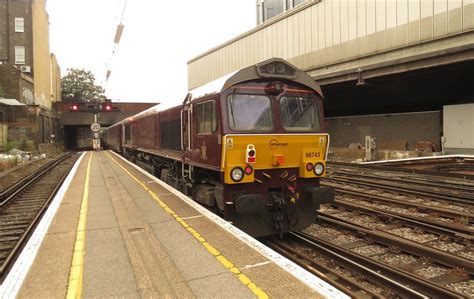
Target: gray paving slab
x=107, y=268
x=279, y=284
x=229, y=246
x=193, y=260
x=100, y=212
x=154, y=272
x=49, y=276
x=178, y=206
x=151, y=211
x=219, y=286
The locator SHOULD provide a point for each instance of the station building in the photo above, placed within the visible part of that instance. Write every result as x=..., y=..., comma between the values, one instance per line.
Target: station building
x=401, y=72
x=29, y=77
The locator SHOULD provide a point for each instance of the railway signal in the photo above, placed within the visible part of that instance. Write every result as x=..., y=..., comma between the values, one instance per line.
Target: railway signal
x=107, y=106
x=74, y=107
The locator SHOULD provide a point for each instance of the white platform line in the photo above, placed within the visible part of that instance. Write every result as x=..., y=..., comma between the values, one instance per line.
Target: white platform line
x=255, y=265
x=12, y=283
x=318, y=285
x=191, y=217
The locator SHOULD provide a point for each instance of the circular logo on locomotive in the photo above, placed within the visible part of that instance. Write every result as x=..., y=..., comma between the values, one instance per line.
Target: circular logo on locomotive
x=274, y=144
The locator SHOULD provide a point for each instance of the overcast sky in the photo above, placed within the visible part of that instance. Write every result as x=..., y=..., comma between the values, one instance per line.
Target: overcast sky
x=159, y=38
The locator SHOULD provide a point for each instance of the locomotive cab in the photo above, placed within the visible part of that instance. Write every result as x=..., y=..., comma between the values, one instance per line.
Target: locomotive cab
x=273, y=152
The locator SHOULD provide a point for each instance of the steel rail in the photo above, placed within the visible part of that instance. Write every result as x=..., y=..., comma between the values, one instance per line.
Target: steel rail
x=386, y=239
x=424, y=288
x=444, y=212
x=428, y=224
x=467, y=191
x=467, y=177
x=451, y=198
x=341, y=282
x=21, y=184
x=8, y=262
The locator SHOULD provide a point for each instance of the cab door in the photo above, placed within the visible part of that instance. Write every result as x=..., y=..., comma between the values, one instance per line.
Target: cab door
x=206, y=149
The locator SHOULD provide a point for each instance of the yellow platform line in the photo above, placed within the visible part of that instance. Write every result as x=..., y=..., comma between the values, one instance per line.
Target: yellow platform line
x=74, y=287
x=211, y=249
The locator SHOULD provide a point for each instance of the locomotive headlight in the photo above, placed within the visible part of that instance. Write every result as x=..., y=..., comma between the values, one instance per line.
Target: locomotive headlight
x=318, y=169
x=237, y=174
x=280, y=68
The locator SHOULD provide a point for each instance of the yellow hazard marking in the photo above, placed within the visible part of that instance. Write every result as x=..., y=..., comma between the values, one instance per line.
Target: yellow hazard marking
x=74, y=287
x=259, y=293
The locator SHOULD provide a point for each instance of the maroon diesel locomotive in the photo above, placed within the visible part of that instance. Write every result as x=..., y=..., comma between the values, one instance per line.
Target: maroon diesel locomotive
x=250, y=145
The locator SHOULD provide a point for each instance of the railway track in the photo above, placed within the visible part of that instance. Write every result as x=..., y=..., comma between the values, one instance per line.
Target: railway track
x=450, y=205
x=360, y=274
x=390, y=234
x=23, y=205
x=369, y=267
x=435, y=173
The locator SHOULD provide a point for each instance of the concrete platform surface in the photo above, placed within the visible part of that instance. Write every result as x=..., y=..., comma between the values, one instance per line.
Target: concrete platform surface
x=143, y=240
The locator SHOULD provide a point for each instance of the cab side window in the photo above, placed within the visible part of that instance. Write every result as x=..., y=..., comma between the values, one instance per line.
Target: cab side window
x=206, y=117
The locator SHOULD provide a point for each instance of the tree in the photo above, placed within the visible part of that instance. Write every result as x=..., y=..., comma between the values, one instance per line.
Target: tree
x=78, y=85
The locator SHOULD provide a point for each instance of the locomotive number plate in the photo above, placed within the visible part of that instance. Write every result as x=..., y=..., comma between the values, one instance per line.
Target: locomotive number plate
x=312, y=155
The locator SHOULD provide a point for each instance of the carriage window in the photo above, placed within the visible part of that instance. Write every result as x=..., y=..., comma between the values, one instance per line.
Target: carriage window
x=206, y=117
x=299, y=114
x=249, y=112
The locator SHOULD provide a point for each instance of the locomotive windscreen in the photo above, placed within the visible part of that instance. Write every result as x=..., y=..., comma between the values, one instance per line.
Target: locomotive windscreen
x=299, y=114
x=249, y=112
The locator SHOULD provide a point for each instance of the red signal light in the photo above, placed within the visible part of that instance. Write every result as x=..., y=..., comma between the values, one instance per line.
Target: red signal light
x=107, y=106
x=74, y=107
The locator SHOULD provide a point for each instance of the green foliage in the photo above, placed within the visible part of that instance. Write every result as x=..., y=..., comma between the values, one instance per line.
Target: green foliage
x=11, y=145
x=78, y=85
x=3, y=94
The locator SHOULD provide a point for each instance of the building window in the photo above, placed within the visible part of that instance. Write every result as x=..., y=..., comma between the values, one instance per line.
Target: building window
x=19, y=55
x=19, y=25
x=206, y=117
x=267, y=9
x=272, y=8
x=259, y=11
x=298, y=2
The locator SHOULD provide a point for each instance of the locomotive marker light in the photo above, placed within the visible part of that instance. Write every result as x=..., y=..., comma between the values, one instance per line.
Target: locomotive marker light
x=248, y=170
x=251, y=156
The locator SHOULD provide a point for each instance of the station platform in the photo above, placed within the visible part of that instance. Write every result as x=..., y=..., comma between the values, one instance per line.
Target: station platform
x=120, y=232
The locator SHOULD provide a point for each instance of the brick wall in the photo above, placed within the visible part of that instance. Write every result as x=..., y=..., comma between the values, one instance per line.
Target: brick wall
x=10, y=81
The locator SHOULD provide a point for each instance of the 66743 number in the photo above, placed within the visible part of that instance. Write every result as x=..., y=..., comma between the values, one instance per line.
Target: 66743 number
x=312, y=154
